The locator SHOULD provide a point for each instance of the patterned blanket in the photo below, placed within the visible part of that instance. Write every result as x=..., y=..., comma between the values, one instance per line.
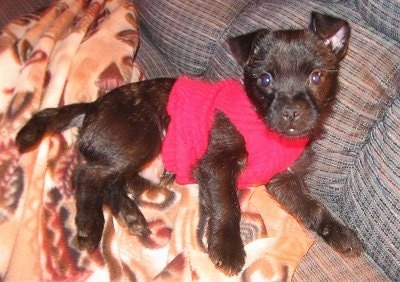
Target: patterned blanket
x=73, y=51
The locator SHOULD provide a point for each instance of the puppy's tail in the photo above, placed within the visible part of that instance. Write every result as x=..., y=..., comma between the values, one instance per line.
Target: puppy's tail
x=51, y=120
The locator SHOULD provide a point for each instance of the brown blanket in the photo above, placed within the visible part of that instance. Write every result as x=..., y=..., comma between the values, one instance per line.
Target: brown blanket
x=76, y=50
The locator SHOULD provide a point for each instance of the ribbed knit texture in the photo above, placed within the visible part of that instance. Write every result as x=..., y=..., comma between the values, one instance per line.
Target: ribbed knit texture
x=192, y=108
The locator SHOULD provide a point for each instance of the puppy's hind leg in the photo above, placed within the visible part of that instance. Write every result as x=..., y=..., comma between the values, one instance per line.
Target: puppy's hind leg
x=123, y=207
x=88, y=181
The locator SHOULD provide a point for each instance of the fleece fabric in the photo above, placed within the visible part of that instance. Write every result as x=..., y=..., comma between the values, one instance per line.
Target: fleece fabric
x=192, y=108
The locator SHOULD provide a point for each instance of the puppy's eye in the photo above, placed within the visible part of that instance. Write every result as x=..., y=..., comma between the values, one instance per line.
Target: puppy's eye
x=316, y=77
x=266, y=79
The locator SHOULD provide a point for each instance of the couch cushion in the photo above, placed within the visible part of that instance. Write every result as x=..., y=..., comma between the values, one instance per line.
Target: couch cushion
x=187, y=37
x=152, y=62
x=322, y=263
x=371, y=198
x=382, y=15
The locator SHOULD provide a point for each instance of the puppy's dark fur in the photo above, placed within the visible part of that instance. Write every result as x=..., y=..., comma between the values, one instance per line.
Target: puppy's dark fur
x=291, y=79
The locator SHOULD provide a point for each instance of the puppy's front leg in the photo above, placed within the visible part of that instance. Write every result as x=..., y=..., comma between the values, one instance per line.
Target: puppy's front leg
x=217, y=174
x=290, y=189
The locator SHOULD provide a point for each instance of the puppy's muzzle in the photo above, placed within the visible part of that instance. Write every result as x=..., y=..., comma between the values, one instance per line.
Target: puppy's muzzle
x=291, y=113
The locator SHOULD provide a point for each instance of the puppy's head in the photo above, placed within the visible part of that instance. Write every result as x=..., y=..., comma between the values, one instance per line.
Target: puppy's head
x=291, y=75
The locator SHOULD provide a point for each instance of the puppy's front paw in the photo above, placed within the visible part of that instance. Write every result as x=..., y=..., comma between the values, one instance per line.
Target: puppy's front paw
x=227, y=254
x=341, y=238
x=89, y=230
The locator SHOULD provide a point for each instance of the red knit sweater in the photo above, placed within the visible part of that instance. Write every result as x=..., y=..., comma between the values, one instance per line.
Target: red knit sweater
x=192, y=106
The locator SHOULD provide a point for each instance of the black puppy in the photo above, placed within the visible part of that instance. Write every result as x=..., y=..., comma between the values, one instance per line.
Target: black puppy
x=290, y=77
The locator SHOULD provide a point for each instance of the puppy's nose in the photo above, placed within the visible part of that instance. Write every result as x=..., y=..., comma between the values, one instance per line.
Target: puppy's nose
x=291, y=113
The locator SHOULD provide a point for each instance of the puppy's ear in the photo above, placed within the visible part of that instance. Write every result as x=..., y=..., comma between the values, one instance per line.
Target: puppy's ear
x=243, y=46
x=334, y=31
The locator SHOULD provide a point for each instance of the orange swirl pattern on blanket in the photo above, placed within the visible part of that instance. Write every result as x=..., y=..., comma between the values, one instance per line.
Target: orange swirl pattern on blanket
x=73, y=51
